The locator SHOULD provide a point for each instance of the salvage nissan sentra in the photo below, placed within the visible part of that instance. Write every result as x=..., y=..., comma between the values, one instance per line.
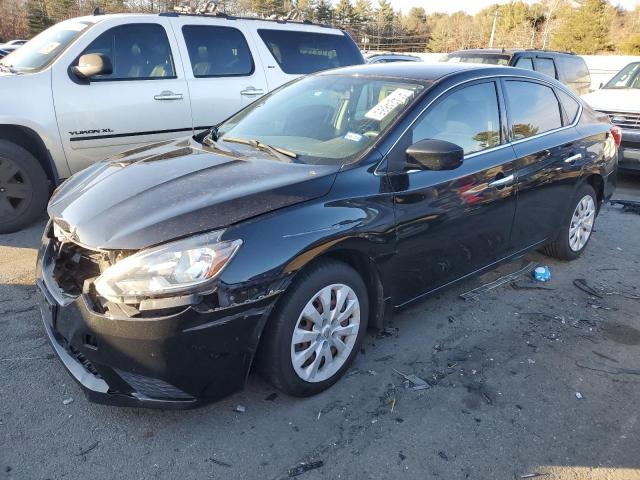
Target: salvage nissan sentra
x=273, y=240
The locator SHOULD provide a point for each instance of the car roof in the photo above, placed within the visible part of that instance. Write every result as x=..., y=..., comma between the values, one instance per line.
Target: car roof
x=506, y=51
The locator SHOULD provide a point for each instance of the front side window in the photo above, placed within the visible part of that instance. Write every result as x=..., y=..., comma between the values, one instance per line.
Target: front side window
x=217, y=51
x=300, y=53
x=533, y=109
x=628, y=77
x=137, y=52
x=524, y=62
x=327, y=119
x=45, y=47
x=546, y=66
x=469, y=117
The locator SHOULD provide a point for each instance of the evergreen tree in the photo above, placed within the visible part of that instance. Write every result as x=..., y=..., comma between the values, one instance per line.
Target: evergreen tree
x=586, y=29
x=343, y=14
x=37, y=16
x=362, y=11
x=324, y=11
x=306, y=9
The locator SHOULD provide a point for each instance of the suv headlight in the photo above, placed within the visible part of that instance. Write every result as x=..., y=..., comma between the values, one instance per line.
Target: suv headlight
x=184, y=266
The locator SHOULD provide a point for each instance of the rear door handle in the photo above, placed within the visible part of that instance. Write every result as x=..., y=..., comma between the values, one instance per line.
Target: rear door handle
x=251, y=92
x=168, y=95
x=502, y=182
x=573, y=158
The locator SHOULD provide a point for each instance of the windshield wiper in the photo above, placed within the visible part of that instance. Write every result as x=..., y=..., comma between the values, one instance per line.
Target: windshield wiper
x=7, y=68
x=211, y=137
x=278, y=151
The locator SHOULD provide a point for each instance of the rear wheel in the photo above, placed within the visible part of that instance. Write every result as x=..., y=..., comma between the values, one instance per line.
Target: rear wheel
x=576, y=232
x=316, y=330
x=24, y=188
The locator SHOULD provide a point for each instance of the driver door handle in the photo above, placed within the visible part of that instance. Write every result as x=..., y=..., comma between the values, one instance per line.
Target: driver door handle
x=168, y=95
x=573, y=158
x=251, y=92
x=502, y=181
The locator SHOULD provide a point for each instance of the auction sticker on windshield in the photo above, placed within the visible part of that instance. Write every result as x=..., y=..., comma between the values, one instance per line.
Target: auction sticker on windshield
x=392, y=101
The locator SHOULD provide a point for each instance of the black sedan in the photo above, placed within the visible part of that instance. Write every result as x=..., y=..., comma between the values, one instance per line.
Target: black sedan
x=274, y=240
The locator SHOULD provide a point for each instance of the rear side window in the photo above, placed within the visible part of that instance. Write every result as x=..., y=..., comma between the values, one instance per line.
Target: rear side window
x=574, y=69
x=217, y=51
x=138, y=51
x=306, y=52
x=533, y=109
x=546, y=66
x=570, y=106
x=524, y=62
x=468, y=117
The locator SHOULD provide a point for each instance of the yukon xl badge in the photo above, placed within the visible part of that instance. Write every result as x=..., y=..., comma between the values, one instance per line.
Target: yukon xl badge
x=90, y=132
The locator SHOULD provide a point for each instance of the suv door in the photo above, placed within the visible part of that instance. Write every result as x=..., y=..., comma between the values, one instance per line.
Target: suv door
x=452, y=223
x=144, y=100
x=223, y=73
x=550, y=158
x=546, y=65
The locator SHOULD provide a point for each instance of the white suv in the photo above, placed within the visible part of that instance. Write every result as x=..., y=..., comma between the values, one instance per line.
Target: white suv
x=93, y=86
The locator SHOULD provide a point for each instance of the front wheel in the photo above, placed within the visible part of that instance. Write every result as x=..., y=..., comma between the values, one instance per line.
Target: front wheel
x=316, y=330
x=576, y=232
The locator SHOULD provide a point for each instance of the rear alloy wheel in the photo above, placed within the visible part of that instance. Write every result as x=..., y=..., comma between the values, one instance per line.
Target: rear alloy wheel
x=576, y=232
x=316, y=330
x=24, y=188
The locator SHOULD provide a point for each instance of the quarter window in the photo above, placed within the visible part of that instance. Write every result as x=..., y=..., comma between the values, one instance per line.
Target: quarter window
x=137, y=52
x=569, y=104
x=469, y=117
x=524, y=62
x=217, y=51
x=546, y=66
x=308, y=52
x=533, y=109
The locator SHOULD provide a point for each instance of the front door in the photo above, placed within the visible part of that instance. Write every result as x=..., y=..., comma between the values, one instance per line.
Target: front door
x=452, y=223
x=144, y=100
x=550, y=159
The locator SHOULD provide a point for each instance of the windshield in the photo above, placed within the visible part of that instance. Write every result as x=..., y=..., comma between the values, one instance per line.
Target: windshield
x=45, y=47
x=480, y=58
x=326, y=119
x=628, y=77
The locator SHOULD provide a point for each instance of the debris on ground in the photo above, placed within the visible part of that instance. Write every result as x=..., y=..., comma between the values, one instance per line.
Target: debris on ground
x=579, y=396
x=611, y=370
x=476, y=292
x=542, y=274
x=534, y=475
x=443, y=455
x=417, y=382
x=628, y=206
x=67, y=401
x=529, y=286
x=88, y=449
x=219, y=462
x=240, y=409
x=387, y=332
x=305, y=467
x=600, y=292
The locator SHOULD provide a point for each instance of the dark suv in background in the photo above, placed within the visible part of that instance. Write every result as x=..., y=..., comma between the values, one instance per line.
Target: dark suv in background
x=566, y=67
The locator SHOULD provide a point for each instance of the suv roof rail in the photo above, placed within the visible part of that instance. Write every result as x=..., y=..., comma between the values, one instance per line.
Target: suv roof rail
x=566, y=52
x=209, y=9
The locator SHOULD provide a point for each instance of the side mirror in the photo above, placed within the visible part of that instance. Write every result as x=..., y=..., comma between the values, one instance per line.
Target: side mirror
x=93, y=64
x=601, y=85
x=434, y=155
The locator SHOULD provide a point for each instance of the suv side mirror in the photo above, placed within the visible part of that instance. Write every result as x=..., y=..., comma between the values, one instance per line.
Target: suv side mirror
x=93, y=64
x=434, y=155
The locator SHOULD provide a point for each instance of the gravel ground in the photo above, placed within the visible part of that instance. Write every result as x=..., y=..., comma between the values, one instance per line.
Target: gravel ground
x=527, y=379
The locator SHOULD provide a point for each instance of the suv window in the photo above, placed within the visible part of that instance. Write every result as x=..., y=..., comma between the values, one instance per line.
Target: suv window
x=524, y=62
x=217, y=51
x=574, y=69
x=570, y=106
x=546, y=66
x=533, y=108
x=307, y=52
x=469, y=117
x=138, y=51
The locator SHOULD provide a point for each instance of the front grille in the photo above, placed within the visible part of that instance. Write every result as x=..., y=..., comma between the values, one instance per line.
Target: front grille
x=623, y=119
x=73, y=265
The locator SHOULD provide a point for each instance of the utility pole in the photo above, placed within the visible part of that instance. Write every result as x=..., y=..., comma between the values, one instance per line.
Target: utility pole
x=493, y=29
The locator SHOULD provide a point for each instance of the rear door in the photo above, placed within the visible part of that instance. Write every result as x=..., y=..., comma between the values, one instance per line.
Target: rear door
x=452, y=223
x=547, y=66
x=550, y=158
x=221, y=66
x=144, y=100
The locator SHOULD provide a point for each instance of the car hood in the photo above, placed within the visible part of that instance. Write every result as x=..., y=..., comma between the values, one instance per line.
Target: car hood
x=614, y=99
x=164, y=191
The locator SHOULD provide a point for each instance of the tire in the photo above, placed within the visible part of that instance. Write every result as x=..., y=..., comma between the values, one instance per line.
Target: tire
x=567, y=245
x=24, y=188
x=277, y=350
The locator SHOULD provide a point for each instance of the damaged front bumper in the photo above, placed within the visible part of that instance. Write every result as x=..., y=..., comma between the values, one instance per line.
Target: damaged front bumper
x=178, y=358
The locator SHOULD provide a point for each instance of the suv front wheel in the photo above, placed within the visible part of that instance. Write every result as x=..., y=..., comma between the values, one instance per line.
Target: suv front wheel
x=24, y=188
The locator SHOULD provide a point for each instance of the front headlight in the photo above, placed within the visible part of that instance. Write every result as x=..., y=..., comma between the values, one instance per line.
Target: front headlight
x=184, y=266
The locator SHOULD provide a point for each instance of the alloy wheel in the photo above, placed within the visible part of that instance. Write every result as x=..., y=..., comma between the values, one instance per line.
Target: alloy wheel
x=15, y=189
x=582, y=223
x=325, y=333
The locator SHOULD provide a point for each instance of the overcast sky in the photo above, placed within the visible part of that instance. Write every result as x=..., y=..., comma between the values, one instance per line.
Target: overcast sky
x=469, y=6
